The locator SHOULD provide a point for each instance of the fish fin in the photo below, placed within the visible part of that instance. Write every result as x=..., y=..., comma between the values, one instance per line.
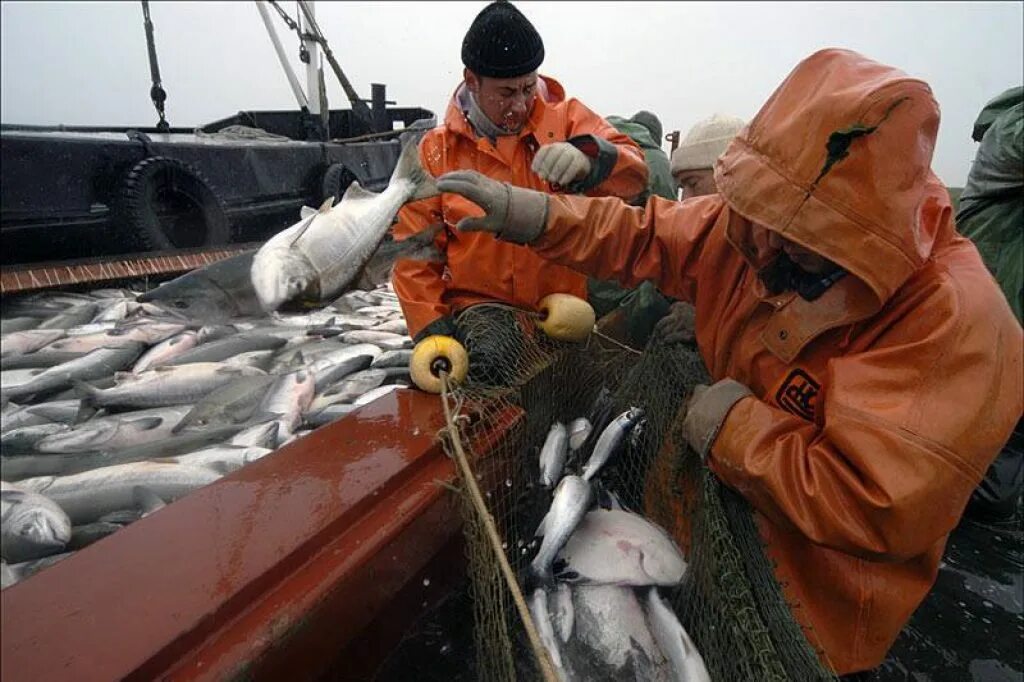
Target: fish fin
x=306, y=212
x=146, y=500
x=355, y=192
x=145, y=423
x=302, y=230
x=410, y=168
x=89, y=394
x=327, y=205
x=86, y=411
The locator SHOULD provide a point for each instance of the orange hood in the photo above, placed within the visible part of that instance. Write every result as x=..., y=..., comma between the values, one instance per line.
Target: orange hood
x=827, y=179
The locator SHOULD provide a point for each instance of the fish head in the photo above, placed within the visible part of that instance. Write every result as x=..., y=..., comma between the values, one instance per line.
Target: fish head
x=282, y=275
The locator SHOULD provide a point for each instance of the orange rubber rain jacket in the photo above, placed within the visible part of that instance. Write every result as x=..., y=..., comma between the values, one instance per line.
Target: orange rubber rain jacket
x=877, y=407
x=479, y=267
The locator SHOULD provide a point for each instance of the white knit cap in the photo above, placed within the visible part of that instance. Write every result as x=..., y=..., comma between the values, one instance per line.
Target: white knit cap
x=705, y=143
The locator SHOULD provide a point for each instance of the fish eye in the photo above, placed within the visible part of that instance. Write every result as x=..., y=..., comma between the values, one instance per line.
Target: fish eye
x=180, y=304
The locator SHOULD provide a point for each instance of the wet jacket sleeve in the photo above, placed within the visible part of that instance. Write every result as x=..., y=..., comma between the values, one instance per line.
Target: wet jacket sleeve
x=609, y=240
x=420, y=285
x=909, y=427
x=618, y=167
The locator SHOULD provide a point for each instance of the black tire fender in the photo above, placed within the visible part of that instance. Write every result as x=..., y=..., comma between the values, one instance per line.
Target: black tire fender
x=157, y=176
x=336, y=180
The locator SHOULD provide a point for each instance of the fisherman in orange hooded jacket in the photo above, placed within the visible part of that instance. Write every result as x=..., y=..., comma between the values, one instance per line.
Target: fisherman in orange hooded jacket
x=867, y=367
x=512, y=125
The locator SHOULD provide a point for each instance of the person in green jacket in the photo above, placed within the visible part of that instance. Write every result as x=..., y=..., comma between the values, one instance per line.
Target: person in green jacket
x=637, y=310
x=991, y=214
x=645, y=129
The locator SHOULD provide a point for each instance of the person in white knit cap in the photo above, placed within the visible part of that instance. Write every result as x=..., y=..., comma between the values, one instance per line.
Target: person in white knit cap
x=693, y=160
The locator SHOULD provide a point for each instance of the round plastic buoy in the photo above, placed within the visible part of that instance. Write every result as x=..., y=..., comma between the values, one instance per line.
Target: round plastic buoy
x=566, y=317
x=433, y=355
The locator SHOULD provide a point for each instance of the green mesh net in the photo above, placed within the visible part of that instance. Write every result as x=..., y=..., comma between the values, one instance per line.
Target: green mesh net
x=520, y=382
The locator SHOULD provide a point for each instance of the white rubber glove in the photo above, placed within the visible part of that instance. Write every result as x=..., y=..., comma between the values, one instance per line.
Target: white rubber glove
x=561, y=163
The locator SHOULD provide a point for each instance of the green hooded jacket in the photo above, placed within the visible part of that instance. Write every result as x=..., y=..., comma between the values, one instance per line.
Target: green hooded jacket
x=644, y=305
x=659, y=180
x=991, y=211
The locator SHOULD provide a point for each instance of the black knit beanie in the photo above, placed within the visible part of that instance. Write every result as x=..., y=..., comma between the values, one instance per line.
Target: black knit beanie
x=502, y=43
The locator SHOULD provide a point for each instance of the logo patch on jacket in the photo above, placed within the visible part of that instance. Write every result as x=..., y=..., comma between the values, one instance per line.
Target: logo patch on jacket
x=798, y=394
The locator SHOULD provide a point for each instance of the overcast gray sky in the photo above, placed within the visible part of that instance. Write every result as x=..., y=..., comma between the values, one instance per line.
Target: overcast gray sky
x=85, y=63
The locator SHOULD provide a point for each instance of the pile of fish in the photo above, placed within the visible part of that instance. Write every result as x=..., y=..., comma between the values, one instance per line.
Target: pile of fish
x=597, y=572
x=113, y=407
x=117, y=402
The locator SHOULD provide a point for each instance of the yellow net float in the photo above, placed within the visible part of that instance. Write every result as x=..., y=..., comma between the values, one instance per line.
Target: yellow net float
x=566, y=317
x=436, y=354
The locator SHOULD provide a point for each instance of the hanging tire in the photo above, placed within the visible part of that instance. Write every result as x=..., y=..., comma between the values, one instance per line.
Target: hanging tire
x=166, y=204
x=336, y=180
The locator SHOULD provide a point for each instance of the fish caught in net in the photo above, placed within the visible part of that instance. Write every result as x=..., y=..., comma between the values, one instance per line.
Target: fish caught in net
x=522, y=384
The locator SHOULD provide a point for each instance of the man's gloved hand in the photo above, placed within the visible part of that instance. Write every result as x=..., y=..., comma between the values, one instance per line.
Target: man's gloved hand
x=679, y=325
x=512, y=213
x=707, y=409
x=561, y=163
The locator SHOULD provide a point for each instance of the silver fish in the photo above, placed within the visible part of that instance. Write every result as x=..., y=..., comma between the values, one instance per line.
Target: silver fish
x=384, y=340
x=393, y=326
x=20, y=343
x=325, y=252
x=74, y=316
x=287, y=399
x=146, y=333
x=18, y=467
x=579, y=431
x=99, y=363
x=165, y=351
x=260, y=359
x=232, y=403
x=610, y=439
x=261, y=435
x=222, y=349
x=15, y=573
x=563, y=615
x=87, y=496
x=674, y=642
x=616, y=547
x=572, y=498
x=338, y=364
x=350, y=388
x=542, y=621
x=110, y=434
x=392, y=358
x=171, y=385
x=374, y=394
x=222, y=458
x=553, y=455
x=25, y=439
x=611, y=638
x=330, y=413
x=9, y=325
x=31, y=525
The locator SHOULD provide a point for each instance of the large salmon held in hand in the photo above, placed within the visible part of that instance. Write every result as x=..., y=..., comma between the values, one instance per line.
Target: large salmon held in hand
x=316, y=259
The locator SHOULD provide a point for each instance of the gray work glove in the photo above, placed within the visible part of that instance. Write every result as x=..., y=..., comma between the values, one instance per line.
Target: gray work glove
x=512, y=213
x=561, y=163
x=679, y=325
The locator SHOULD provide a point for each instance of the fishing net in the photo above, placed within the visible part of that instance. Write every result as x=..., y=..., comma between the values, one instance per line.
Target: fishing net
x=521, y=382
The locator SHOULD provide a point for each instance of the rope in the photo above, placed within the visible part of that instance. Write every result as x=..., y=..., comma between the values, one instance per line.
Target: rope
x=623, y=346
x=492, y=535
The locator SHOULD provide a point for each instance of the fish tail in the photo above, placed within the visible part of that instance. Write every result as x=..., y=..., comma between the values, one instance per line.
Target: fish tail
x=90, y=394
x=410, y=168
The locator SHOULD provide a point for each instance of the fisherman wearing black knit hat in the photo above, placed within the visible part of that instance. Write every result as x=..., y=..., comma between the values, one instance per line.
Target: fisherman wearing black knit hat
x=508, y=122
